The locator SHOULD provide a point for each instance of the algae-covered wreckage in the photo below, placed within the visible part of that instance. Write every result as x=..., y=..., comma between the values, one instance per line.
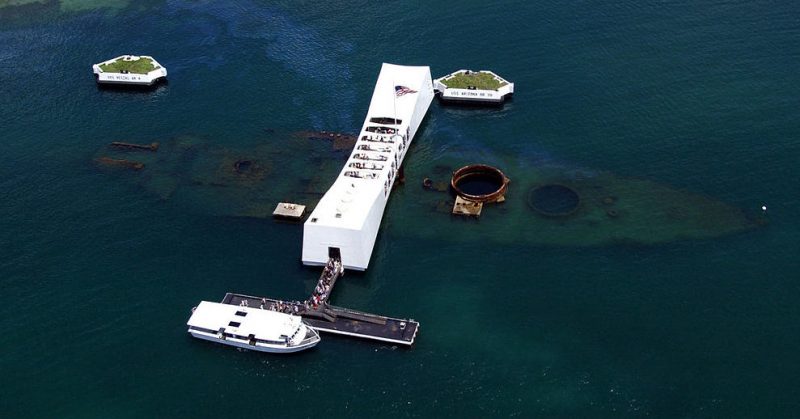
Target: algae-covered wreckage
x=560, y=206
x=230, y=181
x=545, y=204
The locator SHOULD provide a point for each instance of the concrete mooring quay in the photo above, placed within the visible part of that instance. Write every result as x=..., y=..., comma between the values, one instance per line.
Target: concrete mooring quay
x=319, y=314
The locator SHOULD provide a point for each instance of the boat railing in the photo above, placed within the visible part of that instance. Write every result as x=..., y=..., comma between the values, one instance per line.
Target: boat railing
x=311, y=335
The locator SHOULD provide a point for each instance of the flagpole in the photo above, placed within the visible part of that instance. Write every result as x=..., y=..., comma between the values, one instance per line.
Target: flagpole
x=394, y=101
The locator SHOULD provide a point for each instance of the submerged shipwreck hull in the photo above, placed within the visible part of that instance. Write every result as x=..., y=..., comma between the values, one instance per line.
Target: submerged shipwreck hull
x=222, y=181
x=610, y=209
x=592, y=209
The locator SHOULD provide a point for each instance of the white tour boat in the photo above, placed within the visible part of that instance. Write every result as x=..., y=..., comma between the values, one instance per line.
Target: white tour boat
x=345, y=222
x=251, y=328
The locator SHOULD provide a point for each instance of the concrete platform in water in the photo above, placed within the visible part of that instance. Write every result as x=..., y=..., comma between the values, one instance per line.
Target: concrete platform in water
x=338, y=320
x=289, y=211
x=129, y=70
x=466, y=87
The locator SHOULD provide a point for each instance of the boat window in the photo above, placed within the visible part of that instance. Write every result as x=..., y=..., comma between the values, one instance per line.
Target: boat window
x=241, y=313
x=296, y=331
x=202, y=329
x=234, y=324
x=381, y=130
x=384, y=120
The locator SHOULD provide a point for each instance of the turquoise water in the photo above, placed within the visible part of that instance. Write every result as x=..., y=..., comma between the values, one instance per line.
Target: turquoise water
x=99, y=273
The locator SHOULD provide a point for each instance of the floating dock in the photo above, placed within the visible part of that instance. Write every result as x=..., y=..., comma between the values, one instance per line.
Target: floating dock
x=319, y=314
x=341, y=321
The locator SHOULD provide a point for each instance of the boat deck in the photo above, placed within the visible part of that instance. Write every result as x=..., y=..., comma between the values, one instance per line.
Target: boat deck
x=338, y=320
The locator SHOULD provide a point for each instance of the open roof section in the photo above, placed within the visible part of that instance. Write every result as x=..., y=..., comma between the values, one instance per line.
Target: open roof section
x=349, y=214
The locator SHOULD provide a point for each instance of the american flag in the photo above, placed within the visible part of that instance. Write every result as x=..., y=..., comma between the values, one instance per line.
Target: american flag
x=401, y=90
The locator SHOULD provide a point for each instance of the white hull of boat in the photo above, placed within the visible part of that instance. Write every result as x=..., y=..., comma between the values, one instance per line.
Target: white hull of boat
x=260, y=347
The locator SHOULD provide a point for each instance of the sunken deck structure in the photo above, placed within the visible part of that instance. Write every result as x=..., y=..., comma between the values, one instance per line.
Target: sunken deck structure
x=346, y=220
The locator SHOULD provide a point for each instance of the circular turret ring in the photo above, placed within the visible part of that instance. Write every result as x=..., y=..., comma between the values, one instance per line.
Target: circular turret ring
x=487, y=172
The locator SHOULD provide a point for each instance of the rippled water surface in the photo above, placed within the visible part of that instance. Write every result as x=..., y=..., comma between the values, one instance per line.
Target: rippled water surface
x=100, y=267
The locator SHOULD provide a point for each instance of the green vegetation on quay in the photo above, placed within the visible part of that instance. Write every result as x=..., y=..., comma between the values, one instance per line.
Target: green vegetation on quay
x=140, y=66
x=481, y=81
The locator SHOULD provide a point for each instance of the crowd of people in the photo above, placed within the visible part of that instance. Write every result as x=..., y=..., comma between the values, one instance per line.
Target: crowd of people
x=280, y=305
x=320, y=295
x=323, y=289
